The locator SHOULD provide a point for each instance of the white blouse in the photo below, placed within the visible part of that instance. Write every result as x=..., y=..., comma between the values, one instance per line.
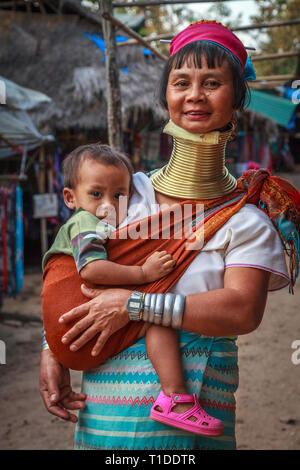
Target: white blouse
x=247, y=239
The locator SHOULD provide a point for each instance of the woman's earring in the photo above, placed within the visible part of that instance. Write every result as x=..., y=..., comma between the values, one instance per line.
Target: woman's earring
x=234, y=133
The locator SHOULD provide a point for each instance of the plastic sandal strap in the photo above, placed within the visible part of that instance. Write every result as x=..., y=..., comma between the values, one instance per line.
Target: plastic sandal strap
x=180, y=398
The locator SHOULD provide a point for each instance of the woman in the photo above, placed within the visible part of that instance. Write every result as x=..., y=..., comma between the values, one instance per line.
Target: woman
x=225, y=286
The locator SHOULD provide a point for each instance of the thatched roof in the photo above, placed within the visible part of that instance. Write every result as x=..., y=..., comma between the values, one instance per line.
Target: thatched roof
x=50, y=53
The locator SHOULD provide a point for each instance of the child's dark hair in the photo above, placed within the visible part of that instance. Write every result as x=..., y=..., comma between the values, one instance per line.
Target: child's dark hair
x=99, y=152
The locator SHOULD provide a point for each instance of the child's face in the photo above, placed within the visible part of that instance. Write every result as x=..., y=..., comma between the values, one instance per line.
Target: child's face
x=102, y=190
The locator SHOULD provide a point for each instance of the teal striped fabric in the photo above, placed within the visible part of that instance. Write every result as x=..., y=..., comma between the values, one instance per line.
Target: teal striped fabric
x=120, y=394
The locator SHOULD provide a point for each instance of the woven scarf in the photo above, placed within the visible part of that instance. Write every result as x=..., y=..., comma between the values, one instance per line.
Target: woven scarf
x=275, y=196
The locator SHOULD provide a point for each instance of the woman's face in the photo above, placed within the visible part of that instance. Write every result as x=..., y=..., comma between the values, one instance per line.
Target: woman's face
x=200, y=100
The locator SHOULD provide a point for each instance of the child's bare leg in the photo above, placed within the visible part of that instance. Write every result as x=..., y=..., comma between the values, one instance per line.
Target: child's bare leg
x=163, y=350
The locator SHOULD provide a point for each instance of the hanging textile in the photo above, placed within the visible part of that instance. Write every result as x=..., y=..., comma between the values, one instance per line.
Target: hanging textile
x=281, y=154
x=254, y=151
x=10, y=244
x=19, y=241
x=11, y=240
x=1, y=245
x=55, y=186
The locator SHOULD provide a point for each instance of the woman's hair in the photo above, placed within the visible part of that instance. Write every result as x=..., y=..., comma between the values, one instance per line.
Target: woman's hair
x=98, y=152
x=214, y=55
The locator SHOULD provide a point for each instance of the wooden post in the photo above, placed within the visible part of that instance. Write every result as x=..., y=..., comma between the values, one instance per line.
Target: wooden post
x=42, y=8
x=113, y=93
x=42, y=187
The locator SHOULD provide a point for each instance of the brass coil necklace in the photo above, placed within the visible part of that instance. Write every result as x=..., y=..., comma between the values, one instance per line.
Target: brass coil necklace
x=196, y=169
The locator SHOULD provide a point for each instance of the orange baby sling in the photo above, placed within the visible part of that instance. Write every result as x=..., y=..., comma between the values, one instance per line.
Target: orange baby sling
x=61, y=281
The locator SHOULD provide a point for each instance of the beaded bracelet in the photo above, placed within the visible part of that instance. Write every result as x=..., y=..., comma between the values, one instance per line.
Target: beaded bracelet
x=164, y=309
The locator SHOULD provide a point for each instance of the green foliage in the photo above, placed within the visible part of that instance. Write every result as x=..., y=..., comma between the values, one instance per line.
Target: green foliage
x=221, y=12
x=276, y=40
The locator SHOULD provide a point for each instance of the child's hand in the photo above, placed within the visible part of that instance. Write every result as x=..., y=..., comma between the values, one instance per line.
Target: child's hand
x=158, y=265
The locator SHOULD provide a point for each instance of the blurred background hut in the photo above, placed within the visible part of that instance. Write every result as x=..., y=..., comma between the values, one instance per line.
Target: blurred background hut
x=62, y=55
x=50, y=48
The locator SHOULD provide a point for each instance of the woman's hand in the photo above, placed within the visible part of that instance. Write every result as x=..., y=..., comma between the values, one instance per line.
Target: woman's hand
x=104, y=314
x=56, y=390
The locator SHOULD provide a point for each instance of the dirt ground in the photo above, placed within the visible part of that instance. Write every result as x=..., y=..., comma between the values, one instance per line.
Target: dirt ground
x=268, y=405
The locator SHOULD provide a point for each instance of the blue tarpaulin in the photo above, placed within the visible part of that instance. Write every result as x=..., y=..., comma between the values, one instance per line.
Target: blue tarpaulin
x=100, y=43
x=273, y=107
x=16, y=125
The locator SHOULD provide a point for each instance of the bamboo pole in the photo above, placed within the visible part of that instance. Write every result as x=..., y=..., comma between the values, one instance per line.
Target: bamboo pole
x=271, y=78
x=276, y=24
x=281, y=55
x=113, y=93
x=147, y=39
x=131, y=33
x=8, y=4
x=241, y=28
x=163, y=2
x=264, y=85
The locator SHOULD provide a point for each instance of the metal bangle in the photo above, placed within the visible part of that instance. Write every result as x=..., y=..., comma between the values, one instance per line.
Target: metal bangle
x=178, y=310
x=146, y=307
x=168, y=309
x=152, y=308
x=159, y=306
x=44, y=341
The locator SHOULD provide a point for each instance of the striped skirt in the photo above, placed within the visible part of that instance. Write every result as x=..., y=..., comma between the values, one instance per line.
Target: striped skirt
x=120, y=394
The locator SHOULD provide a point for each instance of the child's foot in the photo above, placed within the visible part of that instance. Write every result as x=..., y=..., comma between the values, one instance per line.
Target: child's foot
x=185, y=412
x=179, y=408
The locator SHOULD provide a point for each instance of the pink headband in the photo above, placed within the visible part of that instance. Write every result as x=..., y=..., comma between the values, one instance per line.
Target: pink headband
x=213, y=32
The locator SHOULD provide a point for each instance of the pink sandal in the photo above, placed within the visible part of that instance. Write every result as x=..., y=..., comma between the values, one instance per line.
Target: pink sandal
x=205, y=425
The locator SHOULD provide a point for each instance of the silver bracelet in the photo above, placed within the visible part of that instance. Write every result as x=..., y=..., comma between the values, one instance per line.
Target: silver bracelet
x=152, y=308
x=146, y=307
x=168, y=309
x=178, y=309
x=164, y=309
x=159, y=308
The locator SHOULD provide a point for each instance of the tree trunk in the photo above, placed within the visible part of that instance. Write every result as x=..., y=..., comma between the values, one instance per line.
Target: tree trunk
x=113, y=93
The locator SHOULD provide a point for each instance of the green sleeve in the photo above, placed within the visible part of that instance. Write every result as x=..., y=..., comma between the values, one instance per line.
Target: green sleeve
x=87, y=236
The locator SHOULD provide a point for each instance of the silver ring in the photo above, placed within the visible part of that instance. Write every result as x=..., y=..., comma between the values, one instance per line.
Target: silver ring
x=168, y=309
x=178, y=309
x=152, y=308
x=146, y=307
x=159, y=306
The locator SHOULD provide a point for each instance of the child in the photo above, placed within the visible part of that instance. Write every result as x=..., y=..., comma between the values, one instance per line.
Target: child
x=98, y=182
